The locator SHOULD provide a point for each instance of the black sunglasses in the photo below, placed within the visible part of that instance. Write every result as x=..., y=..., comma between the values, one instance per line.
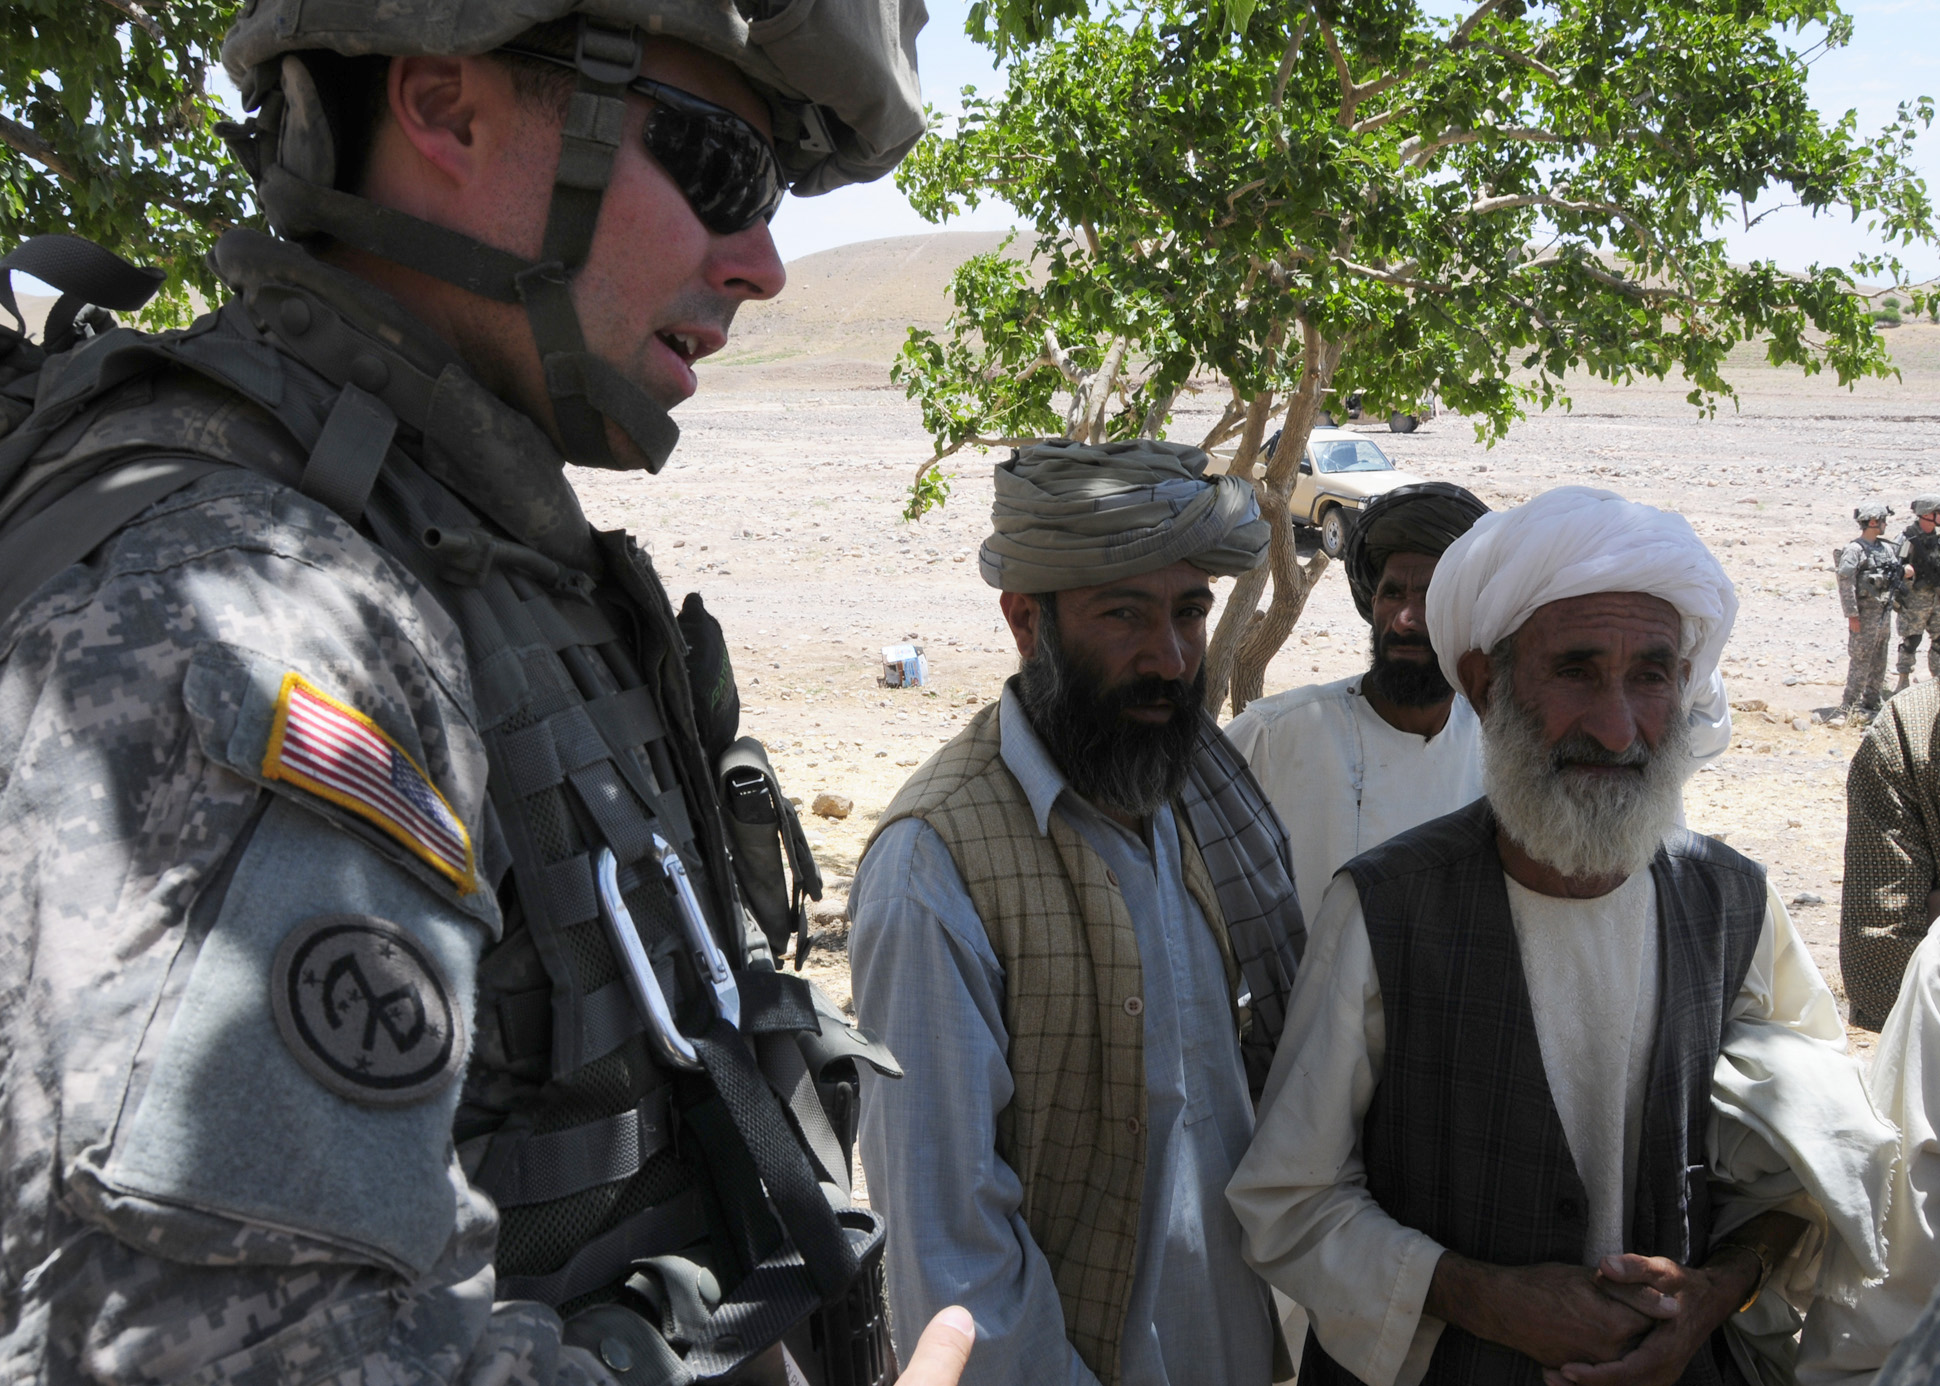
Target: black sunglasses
x=724, y=167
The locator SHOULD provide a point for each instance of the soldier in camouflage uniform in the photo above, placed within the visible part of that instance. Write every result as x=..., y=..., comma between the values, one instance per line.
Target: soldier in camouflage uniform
x=378, y=1000
x=1919, y=604
x=1869, y=577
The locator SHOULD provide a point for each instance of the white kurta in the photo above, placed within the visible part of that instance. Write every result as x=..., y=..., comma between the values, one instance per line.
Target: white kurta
x=1316, y=1233
x=1344, y=781
x=1846, y=1341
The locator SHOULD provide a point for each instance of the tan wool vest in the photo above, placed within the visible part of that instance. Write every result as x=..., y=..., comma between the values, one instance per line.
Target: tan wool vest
x=1074, y=1006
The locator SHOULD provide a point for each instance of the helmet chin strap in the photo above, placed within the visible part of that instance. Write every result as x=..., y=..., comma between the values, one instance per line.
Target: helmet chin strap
x=585, y=390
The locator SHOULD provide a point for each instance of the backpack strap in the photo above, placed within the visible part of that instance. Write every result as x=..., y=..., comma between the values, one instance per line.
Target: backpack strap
x=84, y=273
x=85, y=518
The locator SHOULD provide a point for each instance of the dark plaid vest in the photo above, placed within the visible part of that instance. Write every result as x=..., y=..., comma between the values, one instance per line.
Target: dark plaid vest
x=1462, y=1140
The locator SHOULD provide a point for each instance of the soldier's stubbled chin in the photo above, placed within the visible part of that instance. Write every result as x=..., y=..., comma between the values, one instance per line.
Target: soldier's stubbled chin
x=1112, y=761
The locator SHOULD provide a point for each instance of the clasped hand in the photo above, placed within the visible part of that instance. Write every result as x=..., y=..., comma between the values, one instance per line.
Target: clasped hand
x=1643, y=1318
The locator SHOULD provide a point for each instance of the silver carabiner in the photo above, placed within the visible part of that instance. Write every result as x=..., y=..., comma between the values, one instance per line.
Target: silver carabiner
x=671, y=1045
x=708, y=957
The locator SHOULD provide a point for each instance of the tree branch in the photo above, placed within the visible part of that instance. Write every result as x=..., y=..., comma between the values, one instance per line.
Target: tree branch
x=1347, y=98
x=1625, y=215
x=1603, y=276
x=18, y=137
x=1057, y=356
x=1285, y=73
x=134, y=11
x=1532, y=63
x=1467, y=26
x=22, y=140
x=1416, y=151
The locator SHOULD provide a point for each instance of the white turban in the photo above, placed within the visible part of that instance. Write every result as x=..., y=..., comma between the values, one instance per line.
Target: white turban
x=1572, y=542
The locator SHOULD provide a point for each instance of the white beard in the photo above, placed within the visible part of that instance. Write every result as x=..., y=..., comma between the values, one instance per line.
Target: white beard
x=1574, y=822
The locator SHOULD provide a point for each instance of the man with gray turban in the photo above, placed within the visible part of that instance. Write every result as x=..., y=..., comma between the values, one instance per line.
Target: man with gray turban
x=1077, y=928
x=1919, y=606
x=1561, y=1092
x=1870, y=580
x=1351, y=763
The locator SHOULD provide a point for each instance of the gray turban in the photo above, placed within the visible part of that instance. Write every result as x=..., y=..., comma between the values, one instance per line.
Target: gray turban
x=1925, y=505
x=1872, y=512
x=1071, y=515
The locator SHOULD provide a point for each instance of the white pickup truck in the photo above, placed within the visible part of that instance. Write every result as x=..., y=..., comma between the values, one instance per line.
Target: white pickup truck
x=1342, y=471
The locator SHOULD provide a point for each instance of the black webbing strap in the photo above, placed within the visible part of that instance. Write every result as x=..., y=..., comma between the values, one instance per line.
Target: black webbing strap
x=580, y=375
x=85, y=518
x=84, y=273
x=778, y=1155
x=349, y=453
x=680, y=1221
x=781, y=1060
x=607, y=59
x=525, y=1168
x=303, y=208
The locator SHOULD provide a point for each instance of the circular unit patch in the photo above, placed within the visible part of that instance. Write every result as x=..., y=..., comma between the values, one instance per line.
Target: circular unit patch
x=366, y=1010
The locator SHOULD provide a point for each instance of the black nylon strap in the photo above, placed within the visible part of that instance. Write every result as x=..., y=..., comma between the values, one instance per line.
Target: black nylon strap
x=84, y=273
x=680, y=1221
x=303, y=208
x=777, y=1152
x=580, y=375
x=559, y=1164
x=547, y=294
x=343, y=465
x=85, y=518
x=781, y=1060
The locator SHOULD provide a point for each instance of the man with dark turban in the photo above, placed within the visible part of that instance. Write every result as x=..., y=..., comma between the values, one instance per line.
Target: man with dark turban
x=1077, y=928
x=1349, y=764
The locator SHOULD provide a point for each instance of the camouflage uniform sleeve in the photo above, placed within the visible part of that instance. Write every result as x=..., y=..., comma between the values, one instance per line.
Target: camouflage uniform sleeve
x=203, y=1174
x=1890, y=863
x=1848, y=575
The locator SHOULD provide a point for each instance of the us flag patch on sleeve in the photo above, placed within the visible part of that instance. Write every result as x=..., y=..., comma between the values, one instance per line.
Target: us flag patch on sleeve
x=338, y=754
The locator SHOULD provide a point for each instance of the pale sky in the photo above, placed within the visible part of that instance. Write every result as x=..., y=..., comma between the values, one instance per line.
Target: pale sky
x=1894, y=56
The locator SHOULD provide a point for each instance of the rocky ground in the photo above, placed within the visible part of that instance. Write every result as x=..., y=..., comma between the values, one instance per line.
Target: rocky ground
x=782, y=507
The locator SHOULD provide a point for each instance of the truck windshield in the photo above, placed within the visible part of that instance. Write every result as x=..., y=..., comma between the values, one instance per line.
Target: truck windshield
x=1356, y=456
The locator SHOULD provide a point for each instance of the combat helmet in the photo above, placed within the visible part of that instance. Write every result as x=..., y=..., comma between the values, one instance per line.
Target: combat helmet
x=838, y=76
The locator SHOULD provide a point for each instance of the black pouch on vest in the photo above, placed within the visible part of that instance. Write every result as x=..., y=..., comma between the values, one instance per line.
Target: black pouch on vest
x=710, y=674
x=763, y=829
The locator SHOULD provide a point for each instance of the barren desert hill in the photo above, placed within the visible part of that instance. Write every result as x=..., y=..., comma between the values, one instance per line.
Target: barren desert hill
x=856, y=302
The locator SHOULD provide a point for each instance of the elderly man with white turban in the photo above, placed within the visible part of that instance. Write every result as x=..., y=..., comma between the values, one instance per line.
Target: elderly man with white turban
x=1560, y=1092
x=1077, y=928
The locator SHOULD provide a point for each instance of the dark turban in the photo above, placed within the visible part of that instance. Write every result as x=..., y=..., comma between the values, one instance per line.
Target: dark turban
x=1424, y=518
x=1067, y=515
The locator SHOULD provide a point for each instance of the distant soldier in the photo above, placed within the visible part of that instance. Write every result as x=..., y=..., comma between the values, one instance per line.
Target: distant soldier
x=1919, y=607
x=1869, y=578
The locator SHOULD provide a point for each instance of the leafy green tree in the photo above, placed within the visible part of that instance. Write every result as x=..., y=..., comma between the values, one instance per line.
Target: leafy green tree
x=107, y=131
x=1302, y=198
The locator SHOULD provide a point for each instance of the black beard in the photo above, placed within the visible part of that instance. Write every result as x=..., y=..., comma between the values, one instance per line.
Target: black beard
x=1404, y=682
x=1111, y=761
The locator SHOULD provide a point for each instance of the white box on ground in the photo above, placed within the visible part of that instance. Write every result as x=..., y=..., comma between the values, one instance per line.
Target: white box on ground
x=903, y=666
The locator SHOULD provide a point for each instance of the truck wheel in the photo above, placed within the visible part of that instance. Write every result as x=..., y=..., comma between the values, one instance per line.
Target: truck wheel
x=1403, y=423
x=1333, y=531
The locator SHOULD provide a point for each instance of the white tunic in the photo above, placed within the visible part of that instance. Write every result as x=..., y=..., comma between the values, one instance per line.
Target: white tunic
x=1344, y=781
x=1316, y=1233
x=1847, y=1339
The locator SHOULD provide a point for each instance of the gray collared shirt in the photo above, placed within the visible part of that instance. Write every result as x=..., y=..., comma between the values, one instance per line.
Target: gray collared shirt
x=927, y=981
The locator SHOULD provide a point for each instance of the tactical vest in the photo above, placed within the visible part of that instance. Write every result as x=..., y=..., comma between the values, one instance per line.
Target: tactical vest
x=663, y=1117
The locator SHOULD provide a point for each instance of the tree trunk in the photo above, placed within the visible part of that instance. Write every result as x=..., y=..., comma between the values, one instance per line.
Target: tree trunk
x=1242, y=603
x=1247, y=638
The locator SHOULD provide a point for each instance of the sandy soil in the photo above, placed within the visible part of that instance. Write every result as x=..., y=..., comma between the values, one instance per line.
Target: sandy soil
x=782, y=507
